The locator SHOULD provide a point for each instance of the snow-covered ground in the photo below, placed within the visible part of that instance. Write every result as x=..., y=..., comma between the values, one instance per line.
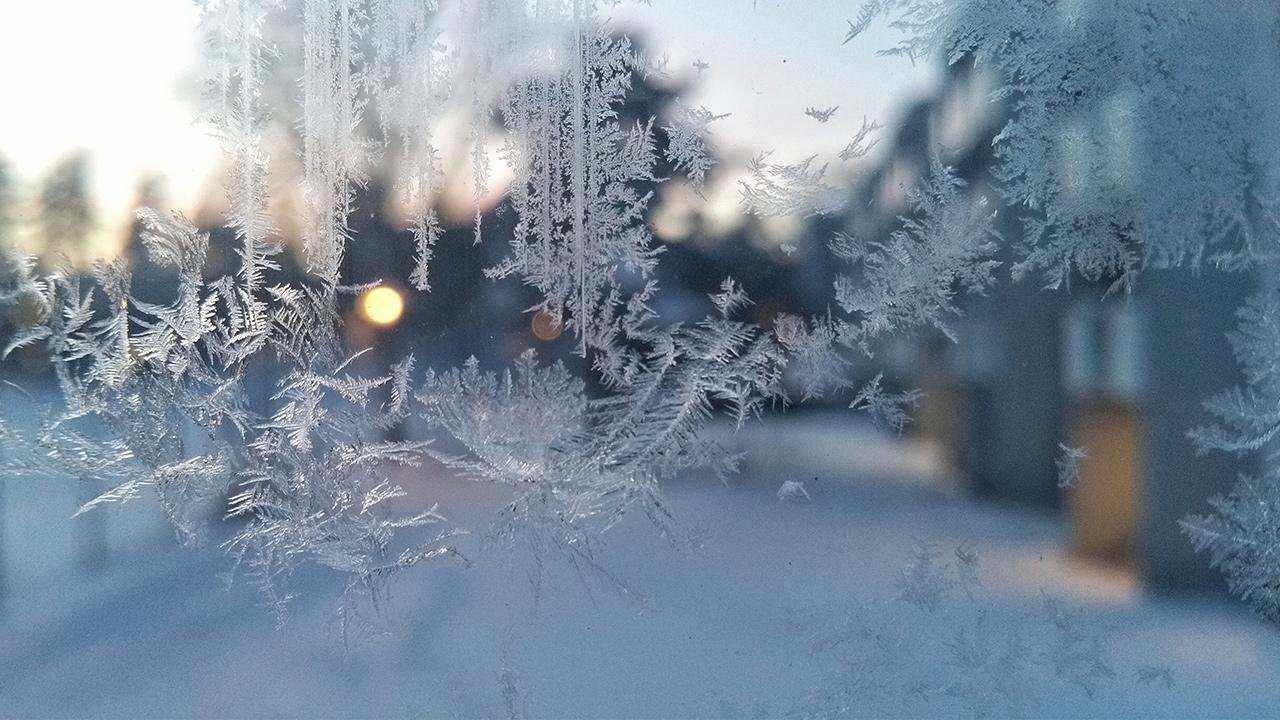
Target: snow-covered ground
x=741, y=622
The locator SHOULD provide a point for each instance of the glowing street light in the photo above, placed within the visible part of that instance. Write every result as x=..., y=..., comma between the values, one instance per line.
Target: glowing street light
x=382, y=306
x=545, y=326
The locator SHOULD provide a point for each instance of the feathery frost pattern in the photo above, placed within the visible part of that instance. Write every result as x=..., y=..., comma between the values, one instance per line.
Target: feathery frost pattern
x=241, y=54
x=688, y=147
x=1084, y=83
x=156, y=399
x=1120, y=147
x=408, y=75
x=241, y=386
x=912, y=279
x=168, y=397
x=332, y=155
x=1242, y=536
x=578, y=192
x=1000, y=661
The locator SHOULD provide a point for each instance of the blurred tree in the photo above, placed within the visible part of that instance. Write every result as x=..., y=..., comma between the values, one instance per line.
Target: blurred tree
x=6, y=201
x=66, y=214
x=66, y=218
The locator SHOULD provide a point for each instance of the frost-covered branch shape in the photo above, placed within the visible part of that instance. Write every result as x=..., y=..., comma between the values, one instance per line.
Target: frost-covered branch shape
x=861, y=143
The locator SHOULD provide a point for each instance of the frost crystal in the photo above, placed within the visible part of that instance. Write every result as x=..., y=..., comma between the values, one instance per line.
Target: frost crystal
x=332, y=156
x=791, y=490
x=408, y=73
x=587, y=462
x=1118, y=156
x=925, y=582
x=861, y=143
x=821, y=115
x=912, y=279
x=687, y=146
x=997, y=661
x=1085, y=91
x=1243, y=535
x=1069, y=465
x=305, y=463
x=798, y=188
x=886, y=410
x=254, y=364
x=578, y=192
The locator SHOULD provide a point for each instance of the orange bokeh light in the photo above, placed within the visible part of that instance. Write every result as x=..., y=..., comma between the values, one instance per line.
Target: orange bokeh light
x=546, y=327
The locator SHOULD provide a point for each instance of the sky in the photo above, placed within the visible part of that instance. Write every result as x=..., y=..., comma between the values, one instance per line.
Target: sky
x=113, y=79
x=770, y=59
x=118, y=80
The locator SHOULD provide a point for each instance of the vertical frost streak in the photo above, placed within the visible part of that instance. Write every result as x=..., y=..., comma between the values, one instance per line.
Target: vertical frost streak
x=331, y=112
x=579, y=172
x=235, y=29
x=407, y=81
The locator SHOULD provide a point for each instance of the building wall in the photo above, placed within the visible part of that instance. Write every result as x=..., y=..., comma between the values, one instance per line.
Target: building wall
x=1187, y=317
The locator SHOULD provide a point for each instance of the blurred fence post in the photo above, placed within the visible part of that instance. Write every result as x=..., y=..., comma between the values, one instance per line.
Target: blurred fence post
x=4, y=547
x=91, y=531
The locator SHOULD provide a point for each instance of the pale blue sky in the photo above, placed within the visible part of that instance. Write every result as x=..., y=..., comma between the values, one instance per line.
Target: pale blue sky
x=772, y=58
x=114, y=78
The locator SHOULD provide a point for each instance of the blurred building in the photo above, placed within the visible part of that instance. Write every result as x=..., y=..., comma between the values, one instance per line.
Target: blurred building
x=1122, y=376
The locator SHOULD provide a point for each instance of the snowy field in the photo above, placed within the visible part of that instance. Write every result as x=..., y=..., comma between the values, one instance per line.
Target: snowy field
x=777, y=609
